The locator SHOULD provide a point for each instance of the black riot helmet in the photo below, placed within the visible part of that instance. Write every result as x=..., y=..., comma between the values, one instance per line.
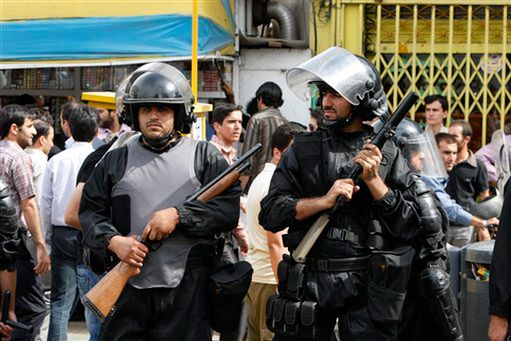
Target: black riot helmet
x=340, y=71
x=157, y=84
x=418, y=148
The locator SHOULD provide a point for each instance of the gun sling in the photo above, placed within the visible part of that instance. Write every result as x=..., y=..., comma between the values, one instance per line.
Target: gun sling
x=292, y=239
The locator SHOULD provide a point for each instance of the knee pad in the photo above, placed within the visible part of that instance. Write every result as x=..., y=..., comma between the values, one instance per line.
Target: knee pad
x=434, y=287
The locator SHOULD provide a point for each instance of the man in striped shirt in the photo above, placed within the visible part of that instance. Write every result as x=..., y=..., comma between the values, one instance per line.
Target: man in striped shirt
x=16, y=132
x=262, y=125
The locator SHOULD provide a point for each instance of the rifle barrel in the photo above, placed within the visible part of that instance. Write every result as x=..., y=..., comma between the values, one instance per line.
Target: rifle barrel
x=385, y=133
x=235, y=165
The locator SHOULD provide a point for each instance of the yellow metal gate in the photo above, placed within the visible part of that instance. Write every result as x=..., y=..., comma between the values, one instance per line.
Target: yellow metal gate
x=460, y=49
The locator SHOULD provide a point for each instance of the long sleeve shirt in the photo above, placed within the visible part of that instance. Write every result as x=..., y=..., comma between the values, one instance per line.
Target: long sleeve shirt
x=59, y=182
x=455, y=212
x=260, y=128
x=39, y=161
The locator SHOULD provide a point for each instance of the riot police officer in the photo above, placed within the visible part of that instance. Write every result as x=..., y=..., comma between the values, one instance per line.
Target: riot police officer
x=139, y=189
x=380, y=208
x=430, y=311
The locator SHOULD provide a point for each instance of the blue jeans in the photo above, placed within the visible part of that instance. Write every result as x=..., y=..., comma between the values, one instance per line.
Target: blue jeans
x=64, y=288
x=86, y=280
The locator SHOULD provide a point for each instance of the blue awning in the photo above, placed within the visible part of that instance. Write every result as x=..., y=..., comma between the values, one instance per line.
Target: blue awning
x=108, y=37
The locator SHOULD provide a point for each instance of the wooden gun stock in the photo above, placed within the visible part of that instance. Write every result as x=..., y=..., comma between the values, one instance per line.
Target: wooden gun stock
x=102, y=297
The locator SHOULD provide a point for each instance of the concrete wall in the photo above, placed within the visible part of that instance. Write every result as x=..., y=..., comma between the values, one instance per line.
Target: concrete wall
x=255, y=66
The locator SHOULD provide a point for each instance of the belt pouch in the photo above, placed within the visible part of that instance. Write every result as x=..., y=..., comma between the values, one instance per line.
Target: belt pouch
x=389, y=272
x=308, y=316
x=270, y=306
x=292, y=318
x=279, y=307
x=291, y=279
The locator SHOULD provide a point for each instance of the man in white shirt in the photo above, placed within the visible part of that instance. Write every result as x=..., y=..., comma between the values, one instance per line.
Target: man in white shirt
x=65, y=110
x=436, y=111
x=58, y=185
x=265, y=248
x=38, y=153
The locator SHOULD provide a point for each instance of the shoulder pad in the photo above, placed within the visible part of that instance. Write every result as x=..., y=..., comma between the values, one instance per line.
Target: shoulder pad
x=306, y=137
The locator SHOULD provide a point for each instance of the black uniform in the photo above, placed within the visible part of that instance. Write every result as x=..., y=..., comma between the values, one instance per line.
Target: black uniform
x=159, y=312
x=500, y=281
x=308, y=169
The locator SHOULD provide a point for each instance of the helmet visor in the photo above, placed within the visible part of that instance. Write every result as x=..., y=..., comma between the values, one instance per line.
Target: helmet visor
x=423, y=156
x=337, y=67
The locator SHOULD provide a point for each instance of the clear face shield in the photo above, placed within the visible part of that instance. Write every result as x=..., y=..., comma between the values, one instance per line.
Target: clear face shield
x=422, y=155
x=337, y=67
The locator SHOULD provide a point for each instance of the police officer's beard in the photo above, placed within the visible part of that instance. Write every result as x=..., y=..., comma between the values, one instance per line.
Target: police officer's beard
x=160, y=142
x=334, y=126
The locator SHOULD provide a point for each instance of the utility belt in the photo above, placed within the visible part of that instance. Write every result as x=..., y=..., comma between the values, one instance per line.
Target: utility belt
x=337, y=265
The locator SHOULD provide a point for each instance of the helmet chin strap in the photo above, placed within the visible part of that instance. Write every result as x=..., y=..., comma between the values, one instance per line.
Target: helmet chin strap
x=159, y=143
x=335, y=125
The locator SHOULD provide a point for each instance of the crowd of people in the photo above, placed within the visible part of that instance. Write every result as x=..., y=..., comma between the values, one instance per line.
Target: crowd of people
x=122, y=183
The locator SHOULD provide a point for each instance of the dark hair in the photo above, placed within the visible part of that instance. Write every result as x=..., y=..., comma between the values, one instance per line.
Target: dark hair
x=42, y=128
x=83, y=123
x=318, y=115
x=271, y=94
x=40, y=114
x=284, y=134
x=466, y=129
x=443, y=101
x=12, y=114
x=445, y=137
x=251, y=107
x=221, y=110
x=67, y=108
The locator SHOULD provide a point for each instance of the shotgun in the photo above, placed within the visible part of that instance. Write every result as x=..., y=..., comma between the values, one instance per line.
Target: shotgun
x=5, y=315
x=379, y=139
x=102, y=297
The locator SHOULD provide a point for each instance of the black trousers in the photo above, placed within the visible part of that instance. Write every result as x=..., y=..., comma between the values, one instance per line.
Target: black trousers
x=162, y=314
x=342, y=296
x=30, y=308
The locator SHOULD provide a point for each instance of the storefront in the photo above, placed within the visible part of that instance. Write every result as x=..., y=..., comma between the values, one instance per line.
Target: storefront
x=52, y=52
